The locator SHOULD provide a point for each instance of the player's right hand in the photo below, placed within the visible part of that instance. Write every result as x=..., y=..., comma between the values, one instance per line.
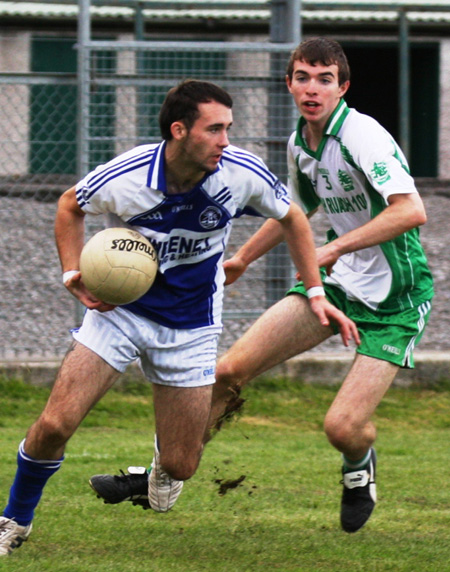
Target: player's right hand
x=327, y=312
x=77, y=288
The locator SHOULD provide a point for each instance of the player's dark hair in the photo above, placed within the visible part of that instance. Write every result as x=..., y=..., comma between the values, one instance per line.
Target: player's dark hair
x=323, y=51
x=181, y=103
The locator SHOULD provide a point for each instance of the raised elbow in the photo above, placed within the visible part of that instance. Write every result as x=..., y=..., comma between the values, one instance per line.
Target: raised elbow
x=415, y=212
x=419, y=217
x=409, y=210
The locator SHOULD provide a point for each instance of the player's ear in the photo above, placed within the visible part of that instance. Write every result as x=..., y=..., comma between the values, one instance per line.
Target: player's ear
x=288, y=82
x=343, y=88
x=178, y=130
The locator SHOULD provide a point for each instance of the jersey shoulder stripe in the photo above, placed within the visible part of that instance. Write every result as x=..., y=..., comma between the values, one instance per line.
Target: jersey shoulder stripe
x=122, y=161
x=114, y=175
x=250, y=162
x=246, y=158
x=223, y=196
x=114, y=170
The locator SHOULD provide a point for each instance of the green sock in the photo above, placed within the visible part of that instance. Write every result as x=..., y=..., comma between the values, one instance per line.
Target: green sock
x=350, y=465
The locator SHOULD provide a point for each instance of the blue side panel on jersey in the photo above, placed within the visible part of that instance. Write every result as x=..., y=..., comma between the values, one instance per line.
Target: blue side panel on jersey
x=184, y=224
x=181, y=297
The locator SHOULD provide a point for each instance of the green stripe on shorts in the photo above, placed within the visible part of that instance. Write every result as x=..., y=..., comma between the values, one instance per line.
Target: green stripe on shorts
x=389, y=337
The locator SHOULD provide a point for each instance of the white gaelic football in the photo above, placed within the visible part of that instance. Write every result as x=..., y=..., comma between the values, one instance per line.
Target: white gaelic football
x=118, y=265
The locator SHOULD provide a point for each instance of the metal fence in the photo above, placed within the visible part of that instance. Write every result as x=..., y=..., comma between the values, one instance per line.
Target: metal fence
x=56, y=126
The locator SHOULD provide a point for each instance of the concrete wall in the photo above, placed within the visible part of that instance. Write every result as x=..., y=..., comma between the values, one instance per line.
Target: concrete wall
x=431, y=368
x=14, y=104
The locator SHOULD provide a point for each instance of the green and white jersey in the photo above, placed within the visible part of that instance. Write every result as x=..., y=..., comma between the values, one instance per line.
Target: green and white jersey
x=356, y=167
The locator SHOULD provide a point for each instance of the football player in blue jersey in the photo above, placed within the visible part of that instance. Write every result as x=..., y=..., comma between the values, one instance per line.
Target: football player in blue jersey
x=182, y=194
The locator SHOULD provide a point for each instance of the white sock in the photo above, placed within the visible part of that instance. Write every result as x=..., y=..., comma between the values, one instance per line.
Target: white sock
x=355, y=465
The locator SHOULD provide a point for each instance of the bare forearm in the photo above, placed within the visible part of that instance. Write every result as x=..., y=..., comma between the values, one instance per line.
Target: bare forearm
x=266, y=238
x=69, y=232
x=300, y=240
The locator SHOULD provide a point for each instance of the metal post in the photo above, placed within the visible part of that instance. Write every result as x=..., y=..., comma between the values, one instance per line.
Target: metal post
x=139, y=25
x=285, y=21
x=139, y=31
x=83, y=101
x=404, y=83
x=84, y=37
x=284, y=29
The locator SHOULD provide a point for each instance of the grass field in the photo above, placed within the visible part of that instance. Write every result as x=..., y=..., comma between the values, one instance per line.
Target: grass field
x=283, y=516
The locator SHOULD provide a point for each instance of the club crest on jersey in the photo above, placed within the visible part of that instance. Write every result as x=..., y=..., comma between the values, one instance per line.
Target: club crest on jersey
x=280, y=190
x=85, y=195
x=346, y=181
x=380, y=173
x=210, y=217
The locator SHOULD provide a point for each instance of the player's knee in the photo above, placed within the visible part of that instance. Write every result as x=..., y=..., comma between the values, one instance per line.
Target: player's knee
x=180, y=469
x=340, y=432
x=227, y=388
x=181, y=473
x=52, y=430
x=228, y=372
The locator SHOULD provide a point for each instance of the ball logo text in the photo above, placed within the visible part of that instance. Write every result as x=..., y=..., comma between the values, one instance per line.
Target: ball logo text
x=132, y=245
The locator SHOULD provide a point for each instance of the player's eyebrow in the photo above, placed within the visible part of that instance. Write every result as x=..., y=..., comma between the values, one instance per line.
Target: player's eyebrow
x=322, y=74
x=220, y=125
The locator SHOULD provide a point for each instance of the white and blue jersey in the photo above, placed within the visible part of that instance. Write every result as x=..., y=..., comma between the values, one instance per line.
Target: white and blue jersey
x=189, y=230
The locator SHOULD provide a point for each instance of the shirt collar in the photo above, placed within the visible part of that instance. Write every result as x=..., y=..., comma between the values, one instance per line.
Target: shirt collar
x=332, y=127
x=156, y=177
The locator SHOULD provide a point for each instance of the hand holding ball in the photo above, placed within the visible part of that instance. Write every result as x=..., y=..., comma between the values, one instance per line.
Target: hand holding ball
x=118, y=265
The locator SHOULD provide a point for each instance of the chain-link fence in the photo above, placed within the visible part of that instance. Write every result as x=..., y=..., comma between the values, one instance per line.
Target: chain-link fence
x=46, y=144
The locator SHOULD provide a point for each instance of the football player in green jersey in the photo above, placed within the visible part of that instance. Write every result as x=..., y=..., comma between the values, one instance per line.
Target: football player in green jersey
x=374, y=266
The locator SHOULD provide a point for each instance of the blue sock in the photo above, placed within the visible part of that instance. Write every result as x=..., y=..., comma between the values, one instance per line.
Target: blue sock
x=26, y=491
